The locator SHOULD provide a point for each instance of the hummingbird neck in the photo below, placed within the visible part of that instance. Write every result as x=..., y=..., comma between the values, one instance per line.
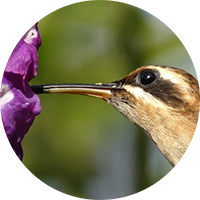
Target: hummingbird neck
x=169, y=130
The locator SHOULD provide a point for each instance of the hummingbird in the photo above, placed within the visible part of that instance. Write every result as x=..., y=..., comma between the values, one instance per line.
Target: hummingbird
x=163, y=101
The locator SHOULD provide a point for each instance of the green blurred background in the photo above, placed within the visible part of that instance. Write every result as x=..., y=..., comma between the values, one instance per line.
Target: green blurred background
x=81, y=145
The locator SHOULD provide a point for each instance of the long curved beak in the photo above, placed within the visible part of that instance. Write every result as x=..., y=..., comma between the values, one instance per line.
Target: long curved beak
x=98, y=90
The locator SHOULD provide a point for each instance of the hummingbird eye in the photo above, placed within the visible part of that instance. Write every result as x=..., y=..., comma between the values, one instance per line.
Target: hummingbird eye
x=147, y=77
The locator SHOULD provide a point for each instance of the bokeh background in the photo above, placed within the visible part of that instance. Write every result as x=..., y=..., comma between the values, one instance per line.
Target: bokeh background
x=81, y=145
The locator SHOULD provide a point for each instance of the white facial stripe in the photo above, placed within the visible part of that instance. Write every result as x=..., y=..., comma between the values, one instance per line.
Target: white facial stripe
x=6, y=95
x=140, y=94
x=171, y=77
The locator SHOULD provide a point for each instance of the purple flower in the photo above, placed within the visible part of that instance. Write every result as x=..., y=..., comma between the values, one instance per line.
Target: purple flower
x=19, y=104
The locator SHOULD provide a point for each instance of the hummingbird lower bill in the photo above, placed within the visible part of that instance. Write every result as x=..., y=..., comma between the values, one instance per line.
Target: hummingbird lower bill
x=163, y=101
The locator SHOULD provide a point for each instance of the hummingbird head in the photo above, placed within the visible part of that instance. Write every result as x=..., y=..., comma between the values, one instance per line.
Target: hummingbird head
x=164, y=102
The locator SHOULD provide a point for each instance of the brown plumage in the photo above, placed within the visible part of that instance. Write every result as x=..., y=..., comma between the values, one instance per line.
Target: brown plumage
x=164, y=101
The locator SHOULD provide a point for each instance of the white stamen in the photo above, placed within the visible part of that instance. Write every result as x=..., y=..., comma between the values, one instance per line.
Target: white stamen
x=32, y=33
